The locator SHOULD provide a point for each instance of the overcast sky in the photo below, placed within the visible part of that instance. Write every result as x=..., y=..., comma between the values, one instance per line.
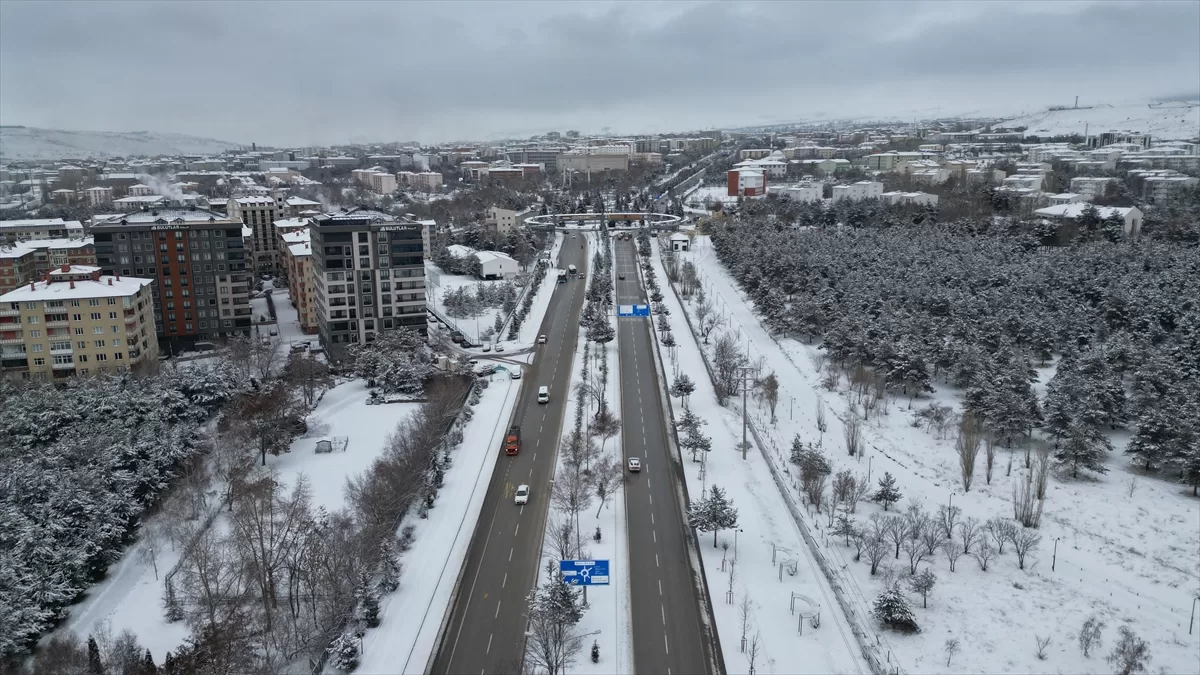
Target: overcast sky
x=298, y=73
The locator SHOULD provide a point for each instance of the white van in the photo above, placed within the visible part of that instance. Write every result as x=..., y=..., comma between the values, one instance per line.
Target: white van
x=543, y=394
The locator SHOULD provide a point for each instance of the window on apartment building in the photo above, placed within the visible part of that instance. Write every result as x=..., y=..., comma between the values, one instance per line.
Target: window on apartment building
x=187, y=327
x=77, y=317
x=116, y=342
x=34, y=319
x=97, y=330
x=102, y=357
x=98, y=344
x=39, y=362
x=170, y=317
x=112, y=315
x=37, y=347
x=116, y=329
x=82, y=344
x=95, y=316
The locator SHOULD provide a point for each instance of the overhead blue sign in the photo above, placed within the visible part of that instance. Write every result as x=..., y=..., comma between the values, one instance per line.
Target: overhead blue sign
x=584, y=572
x=624, y=310
x=633, y=310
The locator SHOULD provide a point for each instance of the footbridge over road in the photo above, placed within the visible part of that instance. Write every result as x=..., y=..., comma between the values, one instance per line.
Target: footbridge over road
x=648, y=220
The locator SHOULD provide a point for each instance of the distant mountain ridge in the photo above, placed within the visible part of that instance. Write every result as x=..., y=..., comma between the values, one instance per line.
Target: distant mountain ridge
x=19, y=143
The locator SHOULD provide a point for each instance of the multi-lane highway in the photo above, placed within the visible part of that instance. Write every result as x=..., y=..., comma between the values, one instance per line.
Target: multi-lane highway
x=669, y=637
x=486, y=628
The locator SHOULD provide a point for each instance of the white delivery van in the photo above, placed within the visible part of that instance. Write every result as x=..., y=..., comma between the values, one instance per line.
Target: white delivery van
x=543, y=394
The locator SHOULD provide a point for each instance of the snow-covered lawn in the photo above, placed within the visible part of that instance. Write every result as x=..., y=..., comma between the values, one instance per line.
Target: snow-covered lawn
x=439, y=283
x=1128, y=546
x=767, y=542
x=412, y=615
x=717, y=193
x=130, y=597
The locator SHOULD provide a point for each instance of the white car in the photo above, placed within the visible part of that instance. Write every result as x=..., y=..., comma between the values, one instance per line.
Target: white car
x=541, y=339
x=635, y=464
x=515, y=372
x=487, y=348
x=522, y=494
x=499, y=347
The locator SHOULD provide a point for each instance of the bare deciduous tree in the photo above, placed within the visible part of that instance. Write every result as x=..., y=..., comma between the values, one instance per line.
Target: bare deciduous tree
x=983, y=554
x=1130, y=655
x=1042, y=644
x=770, y=392
x=1089, y=635
x=970, y=434
x=1025, y=541
x=953, y=552
x=989, y=455
x=951, y=648
x=852, y=433
x=607, y=476
x=969, y=529
x=752, y=651
x=1027, y=508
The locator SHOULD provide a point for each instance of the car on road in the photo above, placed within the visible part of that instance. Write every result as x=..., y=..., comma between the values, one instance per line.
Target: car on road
x=515, y=372
x=543, y=394
x=487, y=348
x=499, y=347
x=621, y=276
x=522, y=494
x=541, y=339
x=635, y=464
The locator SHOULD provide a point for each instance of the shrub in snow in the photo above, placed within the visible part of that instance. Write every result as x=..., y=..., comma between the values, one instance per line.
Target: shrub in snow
x=343, y=653
x=1130, y=655
x=893, y=611
x=1089, y=635
x=887, y=494
x=922, y=584
x=406, y=537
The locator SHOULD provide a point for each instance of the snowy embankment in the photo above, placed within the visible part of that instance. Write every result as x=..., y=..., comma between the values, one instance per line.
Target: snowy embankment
x=412, y=614
x=756, y=571
x=130, y=597
x=608, y=606
x=1123, y=547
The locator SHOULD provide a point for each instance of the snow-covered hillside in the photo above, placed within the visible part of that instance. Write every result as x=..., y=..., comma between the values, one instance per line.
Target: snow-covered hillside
x=1167, y=120
x=27, y=143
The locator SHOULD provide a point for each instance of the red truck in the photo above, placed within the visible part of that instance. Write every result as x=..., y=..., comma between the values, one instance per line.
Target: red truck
x=512, y=442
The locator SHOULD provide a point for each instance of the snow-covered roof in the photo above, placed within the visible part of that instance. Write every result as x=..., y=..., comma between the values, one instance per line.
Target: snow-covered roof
x=296, y=236
x=291, y=223
x=493, y=256
x=300, y=201
x=247, y=231
x=254, y=201
x=169, y=216
x=21, y=248
x=93, y=285
x=460, y=250
x=41, y=222
x=144, y=199
x=1076, y=209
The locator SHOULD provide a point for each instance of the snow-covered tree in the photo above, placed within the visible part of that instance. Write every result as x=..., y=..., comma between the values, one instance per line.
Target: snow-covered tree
x=893, y=611
x=713, y=513
x=888, y=493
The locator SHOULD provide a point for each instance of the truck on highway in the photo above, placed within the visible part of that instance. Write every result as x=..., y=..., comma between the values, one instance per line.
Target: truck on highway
x=512, y=442
x=562, y=276
x=571, y=269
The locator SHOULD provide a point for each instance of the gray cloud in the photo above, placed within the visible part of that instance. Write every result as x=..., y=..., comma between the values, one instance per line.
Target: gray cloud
x=300, y=73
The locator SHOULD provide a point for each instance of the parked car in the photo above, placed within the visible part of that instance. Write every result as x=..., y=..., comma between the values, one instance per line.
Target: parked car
x=499, y=347
x=488, y=348
x=515, y=372
x=522, y=494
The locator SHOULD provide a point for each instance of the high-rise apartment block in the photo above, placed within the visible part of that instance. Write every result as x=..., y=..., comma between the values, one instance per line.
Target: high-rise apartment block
x=197, y=260
x=369, y=274
x=259, y=214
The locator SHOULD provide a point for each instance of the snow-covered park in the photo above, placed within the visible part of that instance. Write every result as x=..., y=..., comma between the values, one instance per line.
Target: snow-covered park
x=1122, y=547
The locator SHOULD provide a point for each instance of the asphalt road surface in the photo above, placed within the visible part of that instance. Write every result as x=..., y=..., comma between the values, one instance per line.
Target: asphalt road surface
x=668, y=637
x=486, y=631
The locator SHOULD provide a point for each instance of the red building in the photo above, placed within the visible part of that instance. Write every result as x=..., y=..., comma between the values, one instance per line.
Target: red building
x=747, y=183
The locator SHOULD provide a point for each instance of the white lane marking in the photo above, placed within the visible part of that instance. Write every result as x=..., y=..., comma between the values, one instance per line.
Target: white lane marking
x=665, y=645
x=531, y=476
x=497, y=615
x=535, y=456
x=651, y=498
x=659, y=584
x=510, y=555
x=489, y=648
x=651, y=518
x=652, y=534
x=505, y=583
x=537, y=443
x=517, y=530
x=664, y=613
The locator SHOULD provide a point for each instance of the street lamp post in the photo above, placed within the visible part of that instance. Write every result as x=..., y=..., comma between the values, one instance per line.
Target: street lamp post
x=869, y=459
x=1054, y=558
x=791, y=408
x=735, y=540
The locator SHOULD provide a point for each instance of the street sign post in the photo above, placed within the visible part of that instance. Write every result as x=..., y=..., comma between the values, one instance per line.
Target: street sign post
x=584, y=572
x=633, y=310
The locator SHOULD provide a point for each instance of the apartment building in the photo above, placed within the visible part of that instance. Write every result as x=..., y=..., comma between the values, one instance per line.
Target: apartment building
x=40, y=228
x=863, y=189
x=27, y=261
x=297, y=262
x=369, y=273
x=99, y=195
x=259, y=214
x=1090, y=186
x=77, y=322
x=912, y=198
x=1132, y=216
x=504, y=221
x=806, y=192
x=426, y=181
x=746, y=183
x=198, y=261
x=1158, y=185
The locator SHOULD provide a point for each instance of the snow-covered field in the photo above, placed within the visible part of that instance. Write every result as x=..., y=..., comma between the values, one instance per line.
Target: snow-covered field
x=716, y=193
x=761, y=551
x=412, y=615
x=24, y=143
x=131, y=596
x=1164, y=121
x=1128, y=545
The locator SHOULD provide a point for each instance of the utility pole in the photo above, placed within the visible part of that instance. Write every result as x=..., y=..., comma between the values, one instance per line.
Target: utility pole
x=744, y=372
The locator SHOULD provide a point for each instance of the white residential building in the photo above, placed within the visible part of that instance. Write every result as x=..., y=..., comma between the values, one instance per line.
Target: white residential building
x=140, y=190
x=805, y=192
x=98, y=195
x=1025, y=181
x=496, y=265
x=505, y=220
x=426, y=181
x=383, y=183
x=918, y=198
x=1131, y=215
x=1090, y=186
x=863, y=189
x=1065, y=198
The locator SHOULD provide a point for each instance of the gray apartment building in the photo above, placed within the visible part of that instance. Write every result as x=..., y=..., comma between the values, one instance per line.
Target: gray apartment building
x=369, y=274
x=197, y=259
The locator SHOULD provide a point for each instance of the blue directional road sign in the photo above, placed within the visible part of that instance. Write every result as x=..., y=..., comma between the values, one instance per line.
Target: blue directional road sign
x=584, y=572
x=633, y=310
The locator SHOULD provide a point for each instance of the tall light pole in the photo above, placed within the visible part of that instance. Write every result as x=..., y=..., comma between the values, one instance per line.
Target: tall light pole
x=735, y=540
x=1054, y=559
x=745, y=373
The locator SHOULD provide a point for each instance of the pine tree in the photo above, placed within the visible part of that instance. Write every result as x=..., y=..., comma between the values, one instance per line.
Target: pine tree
x=887, y=494
x=368, y=600
x=922, y=584
x=343, y=653
x=714, y=513
x=682, y=388
x=389, y=568
x=95, y=665
x=1083, y=447
x=148, y=667
x=892, y=610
